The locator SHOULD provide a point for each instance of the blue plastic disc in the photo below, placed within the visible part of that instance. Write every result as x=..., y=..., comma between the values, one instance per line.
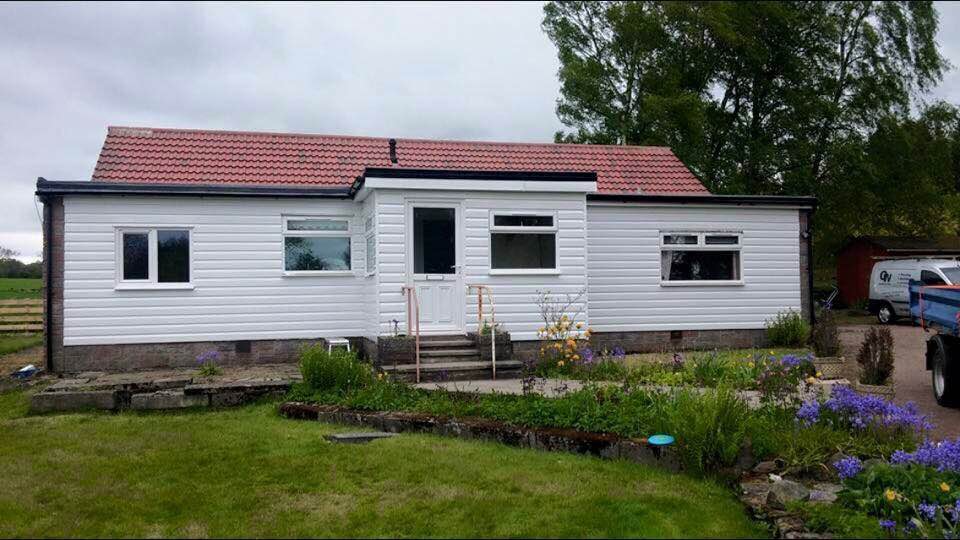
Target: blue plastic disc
x=660, y=440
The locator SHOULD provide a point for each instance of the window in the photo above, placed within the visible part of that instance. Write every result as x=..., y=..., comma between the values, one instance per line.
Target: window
x=931, y=278
x=316, y=245
x=371, y=245
x=153, y=258
x=699, y=258
x=523, y=242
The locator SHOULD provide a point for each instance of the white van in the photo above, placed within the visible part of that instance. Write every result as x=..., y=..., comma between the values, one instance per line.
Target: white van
x=889, y=297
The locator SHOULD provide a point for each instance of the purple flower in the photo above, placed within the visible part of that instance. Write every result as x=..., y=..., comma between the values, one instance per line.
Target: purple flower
x=587, y=354
x=927, y=511
x=888, y=525
x=809, y=413
x=943, y=456
x=208, y=356
x=862, y=411
x=848, y=467
x=618, y=353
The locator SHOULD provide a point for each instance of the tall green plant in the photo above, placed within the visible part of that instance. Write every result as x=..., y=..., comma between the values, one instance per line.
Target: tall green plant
x=337, y=370
x=788, y=329
x=876, y=356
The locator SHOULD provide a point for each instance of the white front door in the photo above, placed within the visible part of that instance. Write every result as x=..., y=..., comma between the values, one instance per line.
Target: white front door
x=434, y=265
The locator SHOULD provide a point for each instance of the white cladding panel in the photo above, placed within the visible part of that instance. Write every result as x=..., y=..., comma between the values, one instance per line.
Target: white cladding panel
x=514, y=295
x=239, y=292
x=624, y=268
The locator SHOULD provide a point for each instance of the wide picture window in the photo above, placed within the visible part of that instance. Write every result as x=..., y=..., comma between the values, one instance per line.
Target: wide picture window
x=523, y=242
x=154, y=257
x=316, y=245
x=700, y=258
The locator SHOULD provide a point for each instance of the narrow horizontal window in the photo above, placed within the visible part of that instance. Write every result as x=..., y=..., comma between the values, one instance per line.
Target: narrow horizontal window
x=136, y=256
x=517, y=251
x=318, y=225
x=674, y=239
x=316, y=253
x=519, y=220
x=726, y=240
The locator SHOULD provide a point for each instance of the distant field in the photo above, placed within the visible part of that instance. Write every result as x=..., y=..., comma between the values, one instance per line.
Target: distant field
x=19, y=288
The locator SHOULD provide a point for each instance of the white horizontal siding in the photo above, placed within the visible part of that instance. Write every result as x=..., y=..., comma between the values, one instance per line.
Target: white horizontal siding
x=514, y=295
x=239, y=290
x=624, y=268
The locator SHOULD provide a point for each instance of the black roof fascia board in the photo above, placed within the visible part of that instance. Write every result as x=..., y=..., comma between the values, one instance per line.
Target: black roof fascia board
x=447, y=174
x=47, y=187
x=776, y=200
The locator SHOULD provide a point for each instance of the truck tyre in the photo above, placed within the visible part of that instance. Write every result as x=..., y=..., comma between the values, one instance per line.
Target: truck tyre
x=886, y=314
x=945, y=371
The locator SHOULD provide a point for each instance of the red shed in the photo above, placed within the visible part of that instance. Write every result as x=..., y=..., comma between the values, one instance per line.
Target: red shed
x=857, y=256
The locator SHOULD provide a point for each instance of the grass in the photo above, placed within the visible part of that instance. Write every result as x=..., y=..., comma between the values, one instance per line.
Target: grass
x=838, y=522
x=16, y=288
x=11, y=343
x=248, y=472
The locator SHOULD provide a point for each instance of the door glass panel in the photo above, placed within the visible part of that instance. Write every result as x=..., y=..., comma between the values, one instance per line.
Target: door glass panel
x=434, y=240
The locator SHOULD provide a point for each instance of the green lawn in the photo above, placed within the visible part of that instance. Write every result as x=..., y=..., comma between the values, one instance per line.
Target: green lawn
x=10, y=343
x=13, y=288
x=248, y=472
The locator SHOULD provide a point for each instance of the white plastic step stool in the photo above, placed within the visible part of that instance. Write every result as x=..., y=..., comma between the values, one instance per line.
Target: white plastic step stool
x=337, y=342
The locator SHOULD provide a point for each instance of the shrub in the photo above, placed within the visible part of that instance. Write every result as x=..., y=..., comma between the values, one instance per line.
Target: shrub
x=710, y=427
x=876, y=356
x=780, y=378
x=708, y=369
x=825, y=338
x=208, y=364
x=562, y=336
x=337, y=371
x=788, y=329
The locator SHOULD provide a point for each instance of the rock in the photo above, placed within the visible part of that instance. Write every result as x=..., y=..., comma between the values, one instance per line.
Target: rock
x=818, y=496
x=789, y=524
x=754, y=494
x=745, y=460
x=167, y=399
x=44, y=402
x=828, y=487
x=775, y=478
x=785, y=492
x=357, y=438
x=766, y=467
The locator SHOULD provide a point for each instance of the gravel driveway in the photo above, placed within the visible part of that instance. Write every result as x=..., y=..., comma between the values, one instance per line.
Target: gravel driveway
x=910, y=376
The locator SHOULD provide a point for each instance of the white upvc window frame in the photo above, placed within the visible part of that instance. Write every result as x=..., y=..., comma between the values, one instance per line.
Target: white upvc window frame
x=702, y=245
x=554, y=228
x=286, y=232
x=370, y=245
x=151, y=282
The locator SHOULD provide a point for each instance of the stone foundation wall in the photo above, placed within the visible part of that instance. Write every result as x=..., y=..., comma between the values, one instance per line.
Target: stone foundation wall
x=659, y=341
x=133, y=357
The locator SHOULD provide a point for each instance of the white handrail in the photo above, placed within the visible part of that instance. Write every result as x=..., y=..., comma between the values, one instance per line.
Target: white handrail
x=481, y=289
x=413, y=314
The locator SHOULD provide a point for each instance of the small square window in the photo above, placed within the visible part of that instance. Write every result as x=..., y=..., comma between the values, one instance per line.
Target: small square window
x=153, y=257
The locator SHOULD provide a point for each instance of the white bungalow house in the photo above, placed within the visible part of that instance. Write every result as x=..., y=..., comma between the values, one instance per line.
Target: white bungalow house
x=253, y=243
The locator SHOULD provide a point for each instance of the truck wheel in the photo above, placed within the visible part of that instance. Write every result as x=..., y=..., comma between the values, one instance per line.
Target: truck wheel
x=946, y=375
x=886, y=314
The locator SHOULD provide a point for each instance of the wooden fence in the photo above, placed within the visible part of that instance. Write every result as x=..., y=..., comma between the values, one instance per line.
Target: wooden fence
x=21, y=315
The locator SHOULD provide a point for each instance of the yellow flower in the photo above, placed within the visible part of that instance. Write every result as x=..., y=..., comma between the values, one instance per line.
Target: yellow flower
x=944, y=487
x=571, y=343
x=579, y=325
x=811, y=380
x=750, y=364
x=560, y=363
x=576, y=357
x=891, y=495
x=771, y=353
x=380, y=376
x=819, y=374
x=541, y=329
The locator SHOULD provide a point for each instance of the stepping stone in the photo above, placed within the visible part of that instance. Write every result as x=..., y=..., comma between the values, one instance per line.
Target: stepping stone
x=359, y=438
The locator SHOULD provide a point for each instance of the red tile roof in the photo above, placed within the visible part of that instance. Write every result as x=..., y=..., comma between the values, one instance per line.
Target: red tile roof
x=229, y=157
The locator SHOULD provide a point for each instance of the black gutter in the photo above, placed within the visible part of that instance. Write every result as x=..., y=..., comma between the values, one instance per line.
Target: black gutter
x=46, y=187
x=447, y=174
x=775, y=200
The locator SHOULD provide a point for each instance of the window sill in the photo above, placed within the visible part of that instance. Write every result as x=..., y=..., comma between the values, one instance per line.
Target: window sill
x=319, y=273
x=703, y=283
x=153, y=287
x=524, y=272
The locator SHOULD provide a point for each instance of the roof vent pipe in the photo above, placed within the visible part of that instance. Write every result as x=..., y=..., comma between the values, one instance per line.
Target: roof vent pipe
x=393, y=151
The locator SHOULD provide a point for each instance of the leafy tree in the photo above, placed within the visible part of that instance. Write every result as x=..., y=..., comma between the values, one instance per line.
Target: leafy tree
x=767, y=97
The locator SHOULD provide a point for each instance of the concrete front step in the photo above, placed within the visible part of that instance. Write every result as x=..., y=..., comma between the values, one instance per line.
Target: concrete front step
x=427, y=353
x=448, y=343
x=454, y=371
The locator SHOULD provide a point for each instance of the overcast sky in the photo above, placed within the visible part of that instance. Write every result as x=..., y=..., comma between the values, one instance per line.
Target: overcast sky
x=460, y=71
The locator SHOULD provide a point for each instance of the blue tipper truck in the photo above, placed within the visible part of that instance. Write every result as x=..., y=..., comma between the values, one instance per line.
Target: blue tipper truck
x=937, y=308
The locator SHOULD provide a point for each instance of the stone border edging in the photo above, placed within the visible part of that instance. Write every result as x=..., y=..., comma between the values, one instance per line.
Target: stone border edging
x=604, y=445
